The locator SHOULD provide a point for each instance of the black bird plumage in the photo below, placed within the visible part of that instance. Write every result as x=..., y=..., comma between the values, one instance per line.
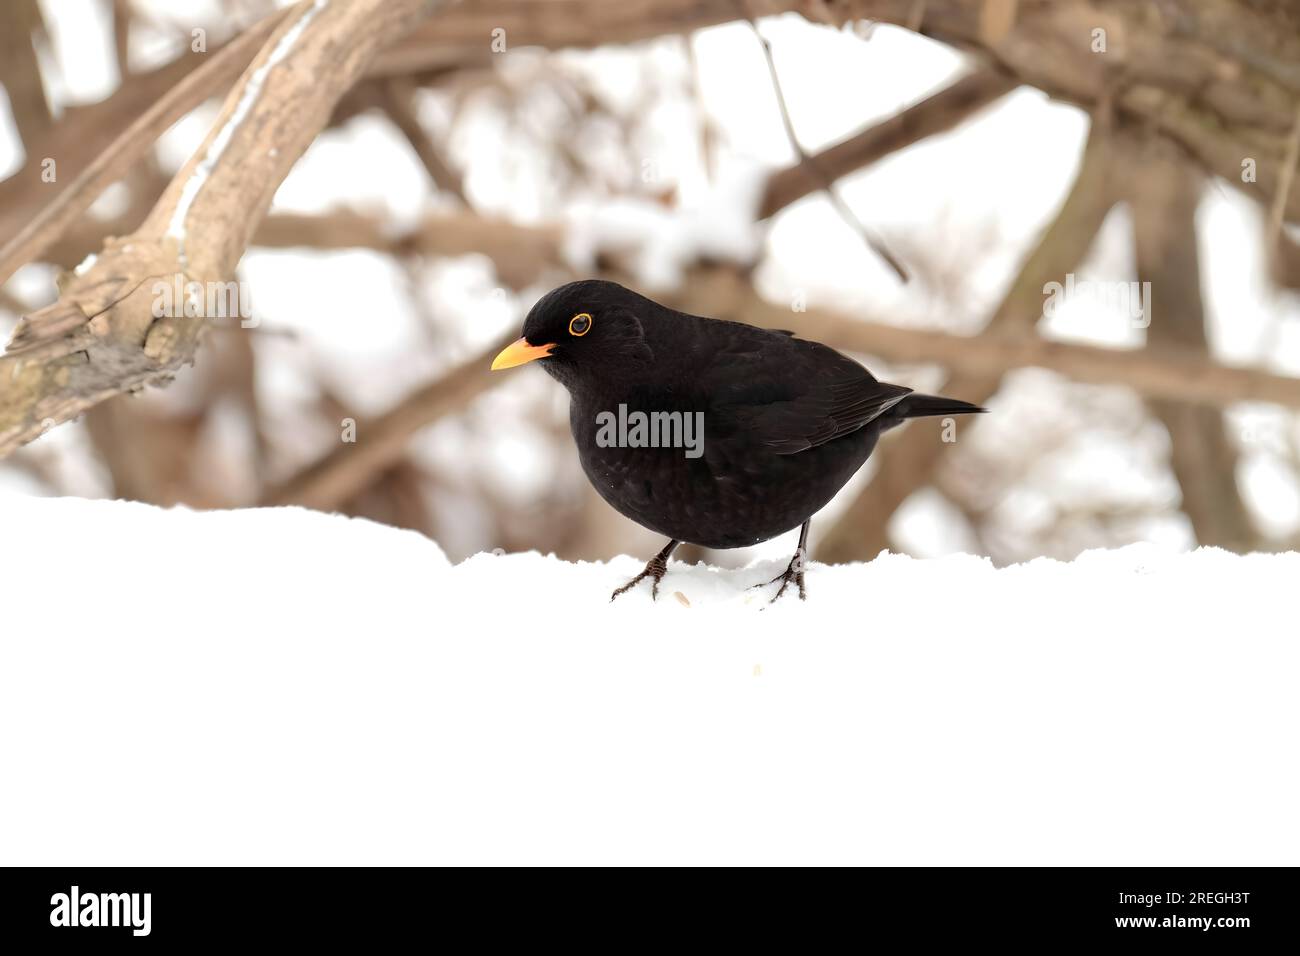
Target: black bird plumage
x=787, y=422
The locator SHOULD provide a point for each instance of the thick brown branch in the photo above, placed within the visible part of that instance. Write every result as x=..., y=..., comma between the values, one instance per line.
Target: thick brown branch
x=20, y=71
x=1219, y=78
x=1286, y=264
x=467, y=35
x=82, y=134
x=107, y=335
x=130, y=147
x=1163, y=195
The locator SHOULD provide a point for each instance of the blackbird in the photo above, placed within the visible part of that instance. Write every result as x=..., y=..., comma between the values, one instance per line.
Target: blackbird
x=705, y=430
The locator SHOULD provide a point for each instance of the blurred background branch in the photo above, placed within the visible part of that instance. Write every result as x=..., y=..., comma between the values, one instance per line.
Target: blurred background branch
x=462, y=164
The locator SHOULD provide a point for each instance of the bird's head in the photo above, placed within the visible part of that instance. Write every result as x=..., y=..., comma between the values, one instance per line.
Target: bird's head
x=585, y=332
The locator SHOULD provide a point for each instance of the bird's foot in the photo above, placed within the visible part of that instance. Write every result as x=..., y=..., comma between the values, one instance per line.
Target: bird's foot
x=655, y=570
x=792, y=573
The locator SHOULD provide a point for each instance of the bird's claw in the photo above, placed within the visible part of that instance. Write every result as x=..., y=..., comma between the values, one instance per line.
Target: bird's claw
x=791, y=573
x=654, y=571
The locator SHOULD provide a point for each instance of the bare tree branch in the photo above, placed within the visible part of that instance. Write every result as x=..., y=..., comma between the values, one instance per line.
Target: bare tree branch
x=1175, y=372
x=1286, y=182
x=131, y=146
x=342, y=473
x=861, y=532
x=82, y=134
x=399, y=104
x=122, y=36
x=1163, y=194
x=1219, y=77
x=464, y=36
x=873, y=242
x=1286, y=263
x=934, y=114
x=522, y=254
x=20, y=71
x=104, y=336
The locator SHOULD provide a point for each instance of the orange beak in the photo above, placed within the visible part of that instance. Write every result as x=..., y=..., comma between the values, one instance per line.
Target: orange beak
x=520, y=352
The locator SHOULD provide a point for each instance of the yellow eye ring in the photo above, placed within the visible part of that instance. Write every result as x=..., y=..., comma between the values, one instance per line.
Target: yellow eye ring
x=580, y=324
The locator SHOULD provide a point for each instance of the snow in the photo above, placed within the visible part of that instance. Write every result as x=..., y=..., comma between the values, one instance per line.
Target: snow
x=285, y=687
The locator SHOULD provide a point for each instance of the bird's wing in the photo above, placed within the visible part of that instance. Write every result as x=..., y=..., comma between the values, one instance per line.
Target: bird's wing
x=792, y=399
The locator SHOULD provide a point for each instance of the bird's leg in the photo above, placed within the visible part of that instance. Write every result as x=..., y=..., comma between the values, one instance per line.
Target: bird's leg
x=794, y=570
x=655, y=569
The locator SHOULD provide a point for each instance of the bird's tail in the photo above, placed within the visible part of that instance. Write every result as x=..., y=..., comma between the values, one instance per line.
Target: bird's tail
x=917, y=405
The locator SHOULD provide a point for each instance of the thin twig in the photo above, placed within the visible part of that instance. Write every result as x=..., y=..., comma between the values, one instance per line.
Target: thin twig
x=706, y=133
x=1277, y=213
x=399, y=103
x=873, y=242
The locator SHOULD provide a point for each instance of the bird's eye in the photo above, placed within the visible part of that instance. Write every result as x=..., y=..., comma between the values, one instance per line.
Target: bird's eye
x=580, y=324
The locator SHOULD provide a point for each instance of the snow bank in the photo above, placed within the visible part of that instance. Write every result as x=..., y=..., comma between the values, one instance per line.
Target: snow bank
x=288, y=687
